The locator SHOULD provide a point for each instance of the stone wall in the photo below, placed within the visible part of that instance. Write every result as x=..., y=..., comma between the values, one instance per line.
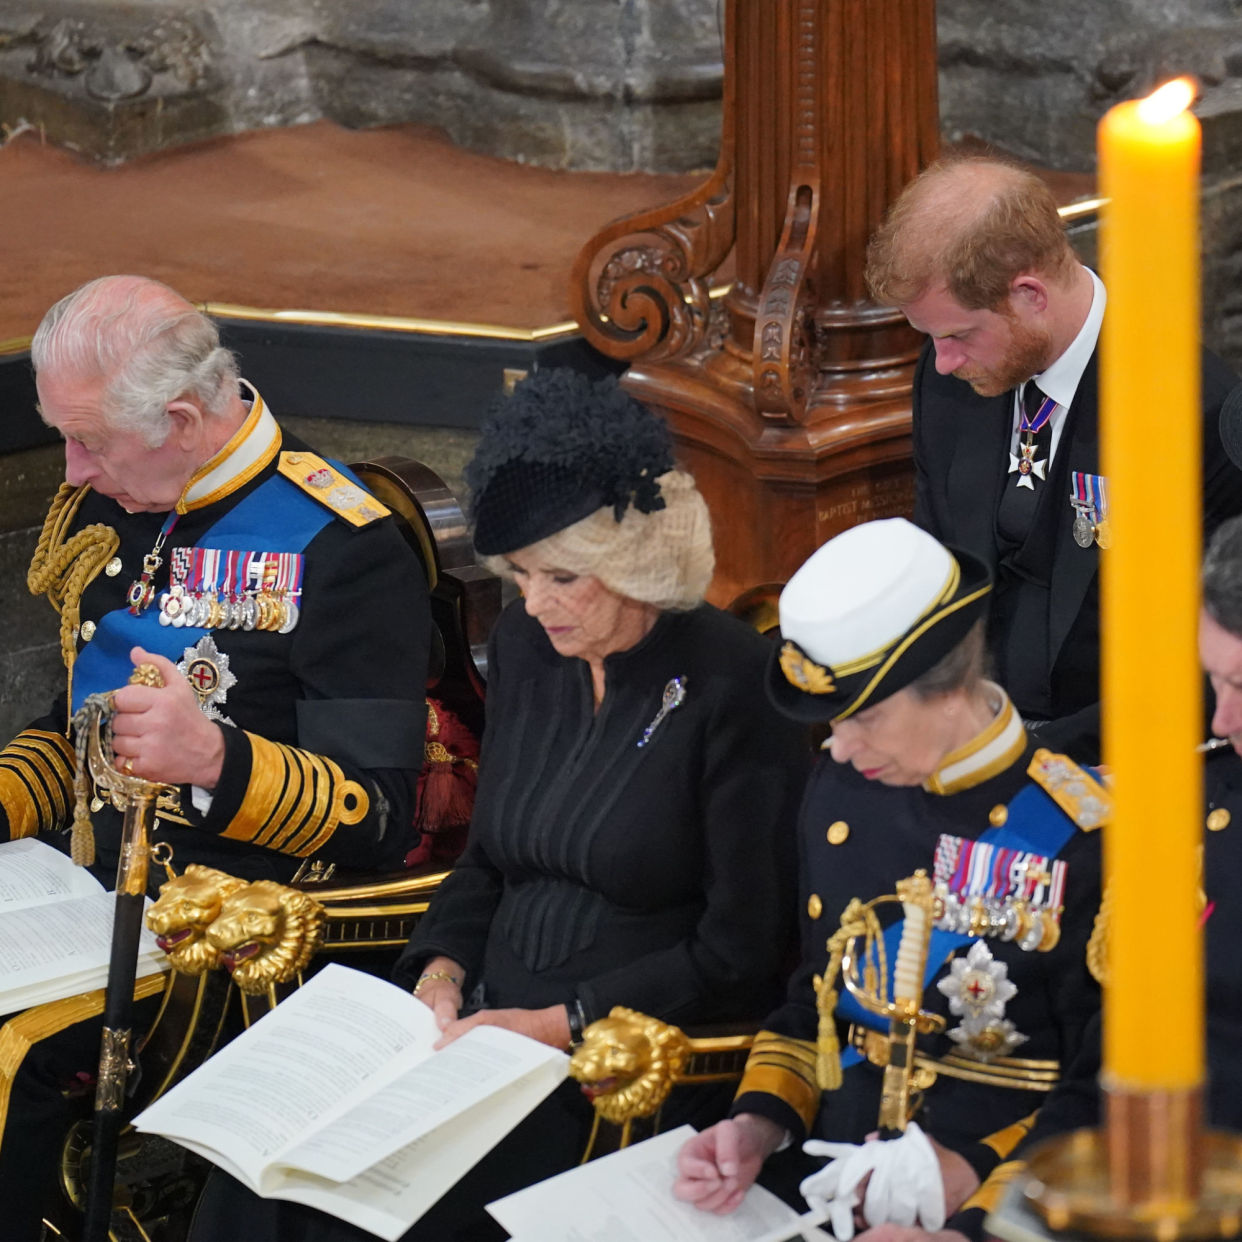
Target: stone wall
x=616, y=85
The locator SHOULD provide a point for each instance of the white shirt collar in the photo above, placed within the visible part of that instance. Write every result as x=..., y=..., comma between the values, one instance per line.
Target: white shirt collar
x=1060, y=381
x=998, y=747
x=252, y=446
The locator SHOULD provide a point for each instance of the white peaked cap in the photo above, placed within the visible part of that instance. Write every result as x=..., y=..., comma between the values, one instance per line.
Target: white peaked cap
x=863, y=590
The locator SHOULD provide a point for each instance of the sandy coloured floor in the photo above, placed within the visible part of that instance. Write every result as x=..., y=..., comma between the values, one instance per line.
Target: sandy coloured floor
x=392, y=221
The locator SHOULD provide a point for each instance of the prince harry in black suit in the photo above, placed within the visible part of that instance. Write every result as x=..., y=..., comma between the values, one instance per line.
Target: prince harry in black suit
x=1005, y=422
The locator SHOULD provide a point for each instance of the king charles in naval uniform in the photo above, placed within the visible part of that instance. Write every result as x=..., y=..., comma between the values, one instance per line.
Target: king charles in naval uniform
x=929, y=769
x=280, y=603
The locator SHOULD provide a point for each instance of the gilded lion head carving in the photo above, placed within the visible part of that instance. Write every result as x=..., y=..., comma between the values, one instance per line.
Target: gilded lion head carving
x=627, y=1064
x=266, y=933
x=187, y=906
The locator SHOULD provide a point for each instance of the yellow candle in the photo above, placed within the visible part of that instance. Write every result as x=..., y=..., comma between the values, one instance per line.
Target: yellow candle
x=1150, y=429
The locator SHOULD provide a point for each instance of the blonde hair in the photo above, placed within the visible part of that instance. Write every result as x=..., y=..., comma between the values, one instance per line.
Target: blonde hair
x=664, y=558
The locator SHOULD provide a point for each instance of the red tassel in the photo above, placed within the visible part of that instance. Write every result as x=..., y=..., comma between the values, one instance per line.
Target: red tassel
x=446, y=787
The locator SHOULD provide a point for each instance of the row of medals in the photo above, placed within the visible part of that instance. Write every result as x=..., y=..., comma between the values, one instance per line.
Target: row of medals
x=1012, y=919
x=263, y=611
x=1087, y=532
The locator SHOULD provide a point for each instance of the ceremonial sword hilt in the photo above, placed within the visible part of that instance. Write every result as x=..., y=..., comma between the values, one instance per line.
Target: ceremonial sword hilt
x=130, y=794
x=905, y=1016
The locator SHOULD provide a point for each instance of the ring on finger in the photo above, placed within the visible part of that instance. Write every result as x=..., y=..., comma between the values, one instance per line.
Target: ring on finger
x=128, y=766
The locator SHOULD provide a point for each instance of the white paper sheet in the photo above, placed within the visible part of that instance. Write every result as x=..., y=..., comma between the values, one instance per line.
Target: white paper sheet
x=277, y=1080
x=33, y=873
x=53, y=951
x=416, y=1099
x=628, y=1197
x=387, y=1199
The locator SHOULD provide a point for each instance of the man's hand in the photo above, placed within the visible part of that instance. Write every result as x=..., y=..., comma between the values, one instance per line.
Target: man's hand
x=549, y=1026
x=439, y=995
x=718, y=1166
x=163, y=732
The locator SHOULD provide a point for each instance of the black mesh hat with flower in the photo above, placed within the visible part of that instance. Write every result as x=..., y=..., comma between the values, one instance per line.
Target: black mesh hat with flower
x=556, y=451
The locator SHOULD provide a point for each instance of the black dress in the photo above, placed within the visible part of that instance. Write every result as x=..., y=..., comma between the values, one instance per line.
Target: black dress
x=658, y=876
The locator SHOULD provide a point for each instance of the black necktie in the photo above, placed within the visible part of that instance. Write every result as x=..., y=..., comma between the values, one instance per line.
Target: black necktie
x=1016, y=514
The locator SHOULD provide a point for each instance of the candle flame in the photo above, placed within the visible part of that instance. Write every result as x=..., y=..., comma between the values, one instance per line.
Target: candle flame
x=1164, y=104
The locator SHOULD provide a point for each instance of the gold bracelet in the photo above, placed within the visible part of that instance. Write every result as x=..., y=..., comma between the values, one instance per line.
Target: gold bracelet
x=436, y=974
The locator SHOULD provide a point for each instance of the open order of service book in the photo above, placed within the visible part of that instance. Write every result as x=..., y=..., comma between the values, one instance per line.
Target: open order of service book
x=628, y=1197
x=55, y=928
x=337, y=1100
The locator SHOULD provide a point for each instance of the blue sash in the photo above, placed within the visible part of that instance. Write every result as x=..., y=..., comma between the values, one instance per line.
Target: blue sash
x=1036, y=825
x=276, y=517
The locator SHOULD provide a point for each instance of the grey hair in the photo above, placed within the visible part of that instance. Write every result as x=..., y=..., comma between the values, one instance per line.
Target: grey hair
x=962, y=669
x=1222, y=576
x=150, y=345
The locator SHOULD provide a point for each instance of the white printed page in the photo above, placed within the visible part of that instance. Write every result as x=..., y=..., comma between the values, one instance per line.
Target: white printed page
x=416, y=1099
x=387, y=1199
x=52, y=951
x=33, y=873
x=628, y=1197
x=273, y=1085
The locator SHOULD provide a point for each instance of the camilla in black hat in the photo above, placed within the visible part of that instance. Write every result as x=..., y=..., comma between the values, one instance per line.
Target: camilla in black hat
x=632, y=840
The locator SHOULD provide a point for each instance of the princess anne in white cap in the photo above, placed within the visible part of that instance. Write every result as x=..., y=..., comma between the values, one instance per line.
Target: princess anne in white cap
x=927, y=767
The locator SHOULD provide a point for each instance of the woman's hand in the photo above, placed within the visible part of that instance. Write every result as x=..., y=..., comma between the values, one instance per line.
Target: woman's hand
x=549, y=1026
x=439, y=995
x=720, y=1165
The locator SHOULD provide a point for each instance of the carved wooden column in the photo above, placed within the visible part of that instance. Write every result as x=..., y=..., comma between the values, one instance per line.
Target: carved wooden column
x=789, y=396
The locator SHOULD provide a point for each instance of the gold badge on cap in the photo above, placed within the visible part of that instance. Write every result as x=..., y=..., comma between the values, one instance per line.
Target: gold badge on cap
x=801, y=671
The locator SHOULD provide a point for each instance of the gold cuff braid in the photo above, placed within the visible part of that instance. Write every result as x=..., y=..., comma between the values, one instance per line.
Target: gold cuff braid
x=989, y=1195
x=63, y=568
x=1003, y=1142
x=36, y=783
x=784, y=1067
x=294, y=800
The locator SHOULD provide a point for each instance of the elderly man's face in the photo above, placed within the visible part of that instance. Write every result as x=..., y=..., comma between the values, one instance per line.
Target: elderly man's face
x=1221, y=655
x=116, y=463
x=992, y=352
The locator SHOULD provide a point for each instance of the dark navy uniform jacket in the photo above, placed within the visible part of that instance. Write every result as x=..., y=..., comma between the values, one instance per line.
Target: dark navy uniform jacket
x=892, y=832
x=328, y=720
x=1076, y=1102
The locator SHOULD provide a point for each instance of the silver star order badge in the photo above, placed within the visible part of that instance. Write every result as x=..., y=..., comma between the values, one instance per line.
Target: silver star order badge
x=206, y=668
x=978, y=988
x=1026, y=465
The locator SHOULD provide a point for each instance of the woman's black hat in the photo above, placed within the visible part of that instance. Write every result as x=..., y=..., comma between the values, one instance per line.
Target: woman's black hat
x=556, y=451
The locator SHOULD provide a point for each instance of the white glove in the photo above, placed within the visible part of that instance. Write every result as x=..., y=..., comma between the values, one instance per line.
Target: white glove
x=906, y=1186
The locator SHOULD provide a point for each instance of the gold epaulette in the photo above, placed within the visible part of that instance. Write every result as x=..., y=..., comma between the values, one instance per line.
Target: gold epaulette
x=784, y=1067
x=330, y=487
x=294, y=800
x=1074, y=790
x=36, y=783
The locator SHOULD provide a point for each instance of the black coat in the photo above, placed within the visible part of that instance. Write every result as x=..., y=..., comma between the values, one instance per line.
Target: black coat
x=347, y=683
x=961, y=447
x=659, y=877
x=892, y=833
